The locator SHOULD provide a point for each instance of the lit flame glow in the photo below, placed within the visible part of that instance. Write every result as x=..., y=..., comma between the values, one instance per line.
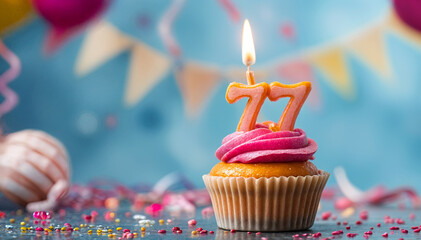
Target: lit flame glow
x=248, y=53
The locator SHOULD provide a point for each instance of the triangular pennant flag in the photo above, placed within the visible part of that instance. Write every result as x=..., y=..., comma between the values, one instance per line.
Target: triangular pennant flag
x=371, y=48
x=196, y=83
x=397, y=25
x=298, y=71
x=333, y=64
x=147, y=68
x=102, y=43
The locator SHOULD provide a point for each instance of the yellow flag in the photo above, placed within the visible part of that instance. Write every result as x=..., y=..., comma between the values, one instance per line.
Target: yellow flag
x=332, y=63
x=370, y=47
x=196, y=83
x=147, y=68
x=101, y=43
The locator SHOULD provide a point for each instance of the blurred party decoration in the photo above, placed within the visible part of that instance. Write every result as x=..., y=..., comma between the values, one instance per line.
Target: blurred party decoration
x=370, y=47
x=147, y=67
x=66, y=17
x=332, y=63
x=409, y=11
x=165, y=27
x=10, y=97
x=102, y=43
x=34, y=169
x=377, y=195
x=13, y=13
x=231, y=9
x=196, y=82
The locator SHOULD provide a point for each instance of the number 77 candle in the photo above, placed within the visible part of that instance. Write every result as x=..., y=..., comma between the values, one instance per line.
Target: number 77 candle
x=257, y=93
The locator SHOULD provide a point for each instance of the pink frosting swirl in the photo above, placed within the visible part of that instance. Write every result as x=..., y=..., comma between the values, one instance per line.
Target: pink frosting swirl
x=261, y=145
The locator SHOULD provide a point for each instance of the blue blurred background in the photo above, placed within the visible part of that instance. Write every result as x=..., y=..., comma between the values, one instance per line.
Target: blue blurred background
x=375, y=135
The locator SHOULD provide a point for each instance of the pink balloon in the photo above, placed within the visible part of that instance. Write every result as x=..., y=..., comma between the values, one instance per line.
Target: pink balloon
x=409, y=11
x=65, y=14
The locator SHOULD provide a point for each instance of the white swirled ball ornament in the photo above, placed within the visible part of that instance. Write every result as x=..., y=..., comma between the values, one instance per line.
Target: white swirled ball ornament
x=34, y=169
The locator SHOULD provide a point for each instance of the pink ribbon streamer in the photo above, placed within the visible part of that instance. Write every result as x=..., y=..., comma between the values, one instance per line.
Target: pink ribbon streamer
x=377, y=195
x=231, y=9
x=10, y=97
x=165, y=25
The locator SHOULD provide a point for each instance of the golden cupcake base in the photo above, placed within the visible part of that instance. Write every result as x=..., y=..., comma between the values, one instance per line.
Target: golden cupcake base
x=266, y=204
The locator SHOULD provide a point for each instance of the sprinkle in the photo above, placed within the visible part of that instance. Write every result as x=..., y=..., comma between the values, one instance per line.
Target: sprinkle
x=141, y=229
x=118, y=228
x=337, y=232
x=351, y=235
x=199, y=229
x=139, y=217
x=364, y=215
x=394, y=228
x=358, y=222
x=232, y=231
x=296, y=236
x=211, y=232
x=412, y=216
x=12, y=220
x=161, y=221
x=338, y=223
x=193, y=232
x=385, y=235
x=326, y=215
x=162, y=231
x=348, y=227
x=192, y=222
x=110, y=230
x=371, y=228
x=126, y=230
x=248, y=232
x=414, y=227
x=379, y=225
x=204, y=232
x=89, y=232
x=117, y=220
x=400, y=221
x=344, y=223
x=258, y=233
x=416, y=230
x=23, y=229
x=404, y=231
x=179, y=231
x=38, y=229
x=318, y=234
x=174, y=229
x=369, y=233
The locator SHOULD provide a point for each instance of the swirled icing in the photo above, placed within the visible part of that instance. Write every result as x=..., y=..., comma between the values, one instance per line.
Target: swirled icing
x=262, y=145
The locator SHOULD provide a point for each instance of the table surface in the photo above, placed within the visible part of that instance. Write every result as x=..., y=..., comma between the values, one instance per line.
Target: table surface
x=376, y=215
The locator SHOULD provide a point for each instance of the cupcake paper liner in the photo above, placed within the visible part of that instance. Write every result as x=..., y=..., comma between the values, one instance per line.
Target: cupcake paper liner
x=266, y=204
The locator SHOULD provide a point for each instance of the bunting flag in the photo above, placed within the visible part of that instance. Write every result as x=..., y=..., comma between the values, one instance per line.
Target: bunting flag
x=147, y=68
x=196, y=82
x=332, y=63
x=370, y=48
x=102, y=43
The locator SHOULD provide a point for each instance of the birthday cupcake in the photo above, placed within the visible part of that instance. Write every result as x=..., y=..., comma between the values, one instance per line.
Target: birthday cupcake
x=265, y=181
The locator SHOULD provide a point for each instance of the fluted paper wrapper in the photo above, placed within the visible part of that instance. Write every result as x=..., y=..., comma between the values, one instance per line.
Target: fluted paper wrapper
x=266, y=204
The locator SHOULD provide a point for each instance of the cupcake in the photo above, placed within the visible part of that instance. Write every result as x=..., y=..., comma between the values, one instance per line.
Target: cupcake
x=266, y=180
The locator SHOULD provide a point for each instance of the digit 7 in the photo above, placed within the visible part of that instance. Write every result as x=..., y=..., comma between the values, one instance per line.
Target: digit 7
x=256, y=93
x=297, y=93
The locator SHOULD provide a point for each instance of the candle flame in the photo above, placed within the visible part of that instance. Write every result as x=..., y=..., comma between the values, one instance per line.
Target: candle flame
x=248, y=53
